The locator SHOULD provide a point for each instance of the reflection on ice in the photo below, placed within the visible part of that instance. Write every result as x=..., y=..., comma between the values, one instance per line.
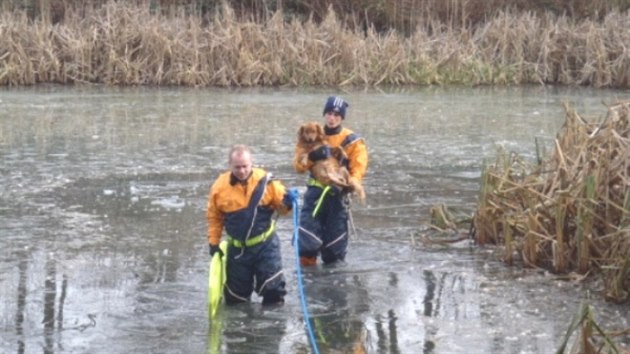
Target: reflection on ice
x=170, y=203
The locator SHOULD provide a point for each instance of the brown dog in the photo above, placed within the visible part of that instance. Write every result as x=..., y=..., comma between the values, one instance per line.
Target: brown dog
x=327, y=171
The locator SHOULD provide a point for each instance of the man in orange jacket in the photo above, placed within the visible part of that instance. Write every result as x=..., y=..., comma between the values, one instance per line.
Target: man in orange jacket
x=324, y=216
x=243, y=201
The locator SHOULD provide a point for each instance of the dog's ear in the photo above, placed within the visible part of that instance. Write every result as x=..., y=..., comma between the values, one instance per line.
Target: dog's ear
x=300, y=132
x=320, y=131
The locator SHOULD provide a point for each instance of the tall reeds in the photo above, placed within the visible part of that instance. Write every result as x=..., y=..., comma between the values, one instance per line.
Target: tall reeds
x=120, y=43
x=571, y=212
x=400, y=15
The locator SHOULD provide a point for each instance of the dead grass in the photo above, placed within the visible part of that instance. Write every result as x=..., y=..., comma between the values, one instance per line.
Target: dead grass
x=571, y=213
x=126, y=44
x=586, y=336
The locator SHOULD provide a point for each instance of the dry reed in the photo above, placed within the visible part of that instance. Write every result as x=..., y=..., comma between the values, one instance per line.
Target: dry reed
x=127, y=44
x=570, y=213
x=588, y=336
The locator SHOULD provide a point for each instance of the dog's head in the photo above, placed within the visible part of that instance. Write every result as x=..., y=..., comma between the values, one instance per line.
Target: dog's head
x=311, y=132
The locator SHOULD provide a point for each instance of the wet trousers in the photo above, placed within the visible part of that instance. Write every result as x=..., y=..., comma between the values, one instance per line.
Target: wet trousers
x=327, y=231
x=258, y=268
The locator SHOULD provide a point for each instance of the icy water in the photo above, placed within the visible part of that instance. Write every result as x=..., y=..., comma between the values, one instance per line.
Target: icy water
x=103, y=234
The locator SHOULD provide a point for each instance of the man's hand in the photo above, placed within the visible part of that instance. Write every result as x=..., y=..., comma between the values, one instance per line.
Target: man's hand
x=321, y=153
x=352, y=183
x=291, y=196
x=214, y=249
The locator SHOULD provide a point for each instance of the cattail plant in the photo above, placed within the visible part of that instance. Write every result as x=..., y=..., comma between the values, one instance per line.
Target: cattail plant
x=570, y=212
x=168, y=43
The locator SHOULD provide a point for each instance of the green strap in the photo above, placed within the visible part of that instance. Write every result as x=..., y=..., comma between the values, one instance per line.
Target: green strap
x=320, y=201
x=253, y=241
x=315, y=183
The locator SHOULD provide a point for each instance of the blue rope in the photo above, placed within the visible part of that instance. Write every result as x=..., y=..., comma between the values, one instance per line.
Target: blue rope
x=300, y=282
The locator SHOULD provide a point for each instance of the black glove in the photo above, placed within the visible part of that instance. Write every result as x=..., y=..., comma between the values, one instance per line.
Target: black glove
x=336, y=190
x=320, y=153
x=340, y=191
x=214, y=249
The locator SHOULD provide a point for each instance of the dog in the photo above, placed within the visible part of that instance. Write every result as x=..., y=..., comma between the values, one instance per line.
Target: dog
x=328, y=171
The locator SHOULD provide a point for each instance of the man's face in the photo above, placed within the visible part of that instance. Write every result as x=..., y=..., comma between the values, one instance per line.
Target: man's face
x=333, y=119
x=241, y=165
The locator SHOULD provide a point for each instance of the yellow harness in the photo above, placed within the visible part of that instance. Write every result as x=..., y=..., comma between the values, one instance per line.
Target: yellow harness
x=253, y=241
x=315, y=183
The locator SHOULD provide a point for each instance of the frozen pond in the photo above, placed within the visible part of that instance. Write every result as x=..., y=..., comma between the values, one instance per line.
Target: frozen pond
x=103, y=234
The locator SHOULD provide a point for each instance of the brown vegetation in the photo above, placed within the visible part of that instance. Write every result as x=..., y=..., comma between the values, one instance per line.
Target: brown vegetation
x=589, y=337
x=131, y=43
x=384, y=15
x=571, y=213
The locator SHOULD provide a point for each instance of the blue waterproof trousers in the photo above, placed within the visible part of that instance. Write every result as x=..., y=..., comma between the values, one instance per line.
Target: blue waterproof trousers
x=258, y=268
x=326, y=232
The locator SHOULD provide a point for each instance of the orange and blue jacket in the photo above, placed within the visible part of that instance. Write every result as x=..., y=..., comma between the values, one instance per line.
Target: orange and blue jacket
x=230, y=205
x=352, y=144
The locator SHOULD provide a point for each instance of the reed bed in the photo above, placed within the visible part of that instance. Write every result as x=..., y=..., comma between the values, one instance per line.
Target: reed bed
x=570, y=212
x=129, y=44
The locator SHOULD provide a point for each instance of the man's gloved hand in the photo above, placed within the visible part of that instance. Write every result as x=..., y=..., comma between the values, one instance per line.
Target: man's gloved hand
x=321, y=153
x=291, y=196
x=351, y=185
x=214, y=249
x=335, y=190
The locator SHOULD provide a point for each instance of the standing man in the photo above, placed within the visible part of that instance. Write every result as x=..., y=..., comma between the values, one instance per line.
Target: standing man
x=243, y=201
x=324, y=216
